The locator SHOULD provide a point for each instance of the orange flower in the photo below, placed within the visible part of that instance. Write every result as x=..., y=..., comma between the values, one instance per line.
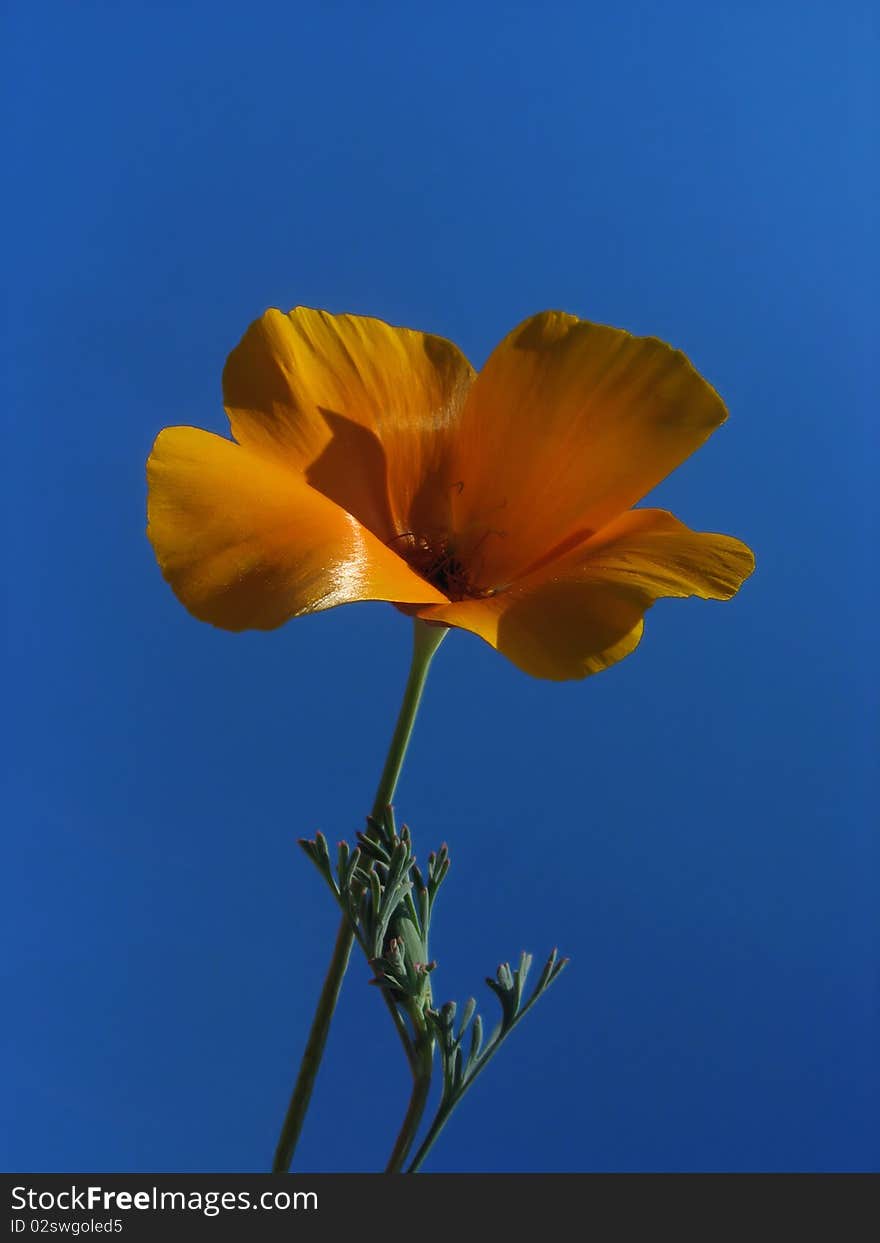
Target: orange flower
x=372, y=463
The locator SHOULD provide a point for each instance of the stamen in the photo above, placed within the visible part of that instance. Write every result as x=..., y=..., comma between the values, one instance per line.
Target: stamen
x=436, y=559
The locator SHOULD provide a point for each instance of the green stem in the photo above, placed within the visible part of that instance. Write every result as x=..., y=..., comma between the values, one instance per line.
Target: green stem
x=448, y=1104
x=426, y=640
x=311, y=1059
x=422, y=1068
x=428, y=1143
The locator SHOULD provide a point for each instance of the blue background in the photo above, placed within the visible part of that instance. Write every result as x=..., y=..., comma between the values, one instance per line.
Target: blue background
x=692, y=827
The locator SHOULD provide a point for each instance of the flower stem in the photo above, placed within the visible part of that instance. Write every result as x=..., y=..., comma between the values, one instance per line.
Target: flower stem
x=311, y=1059
x=426, y=640
x=428, y=1143
x=421, y=1069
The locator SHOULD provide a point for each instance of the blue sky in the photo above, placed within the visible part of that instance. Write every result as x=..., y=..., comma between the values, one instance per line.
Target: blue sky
x=692, y=827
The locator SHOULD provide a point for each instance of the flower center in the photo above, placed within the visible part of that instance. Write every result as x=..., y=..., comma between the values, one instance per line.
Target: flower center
x=435, y=559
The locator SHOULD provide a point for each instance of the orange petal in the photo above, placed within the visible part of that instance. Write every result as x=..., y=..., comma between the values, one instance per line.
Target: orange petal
x=567, y=425
x=555, y=630
x=583, y=613
x=361, y=408
x=247, y=544
x=650, y=552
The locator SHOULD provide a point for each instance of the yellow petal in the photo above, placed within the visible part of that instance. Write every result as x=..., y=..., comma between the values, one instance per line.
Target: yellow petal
x=363, y=409
x=247, y=544
x=651, y=553
x=569, y=424
x=583, y=612
x=554, y=630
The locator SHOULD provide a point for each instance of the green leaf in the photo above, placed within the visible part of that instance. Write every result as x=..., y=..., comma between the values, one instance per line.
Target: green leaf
x=476, y=1039
x=466, y=1015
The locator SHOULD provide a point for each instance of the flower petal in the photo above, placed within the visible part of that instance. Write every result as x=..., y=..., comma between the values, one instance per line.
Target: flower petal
x=363, y=409
x=582, y=613
x=650, y=552
x=554, y=630
x=569, y=424
x=247, y=544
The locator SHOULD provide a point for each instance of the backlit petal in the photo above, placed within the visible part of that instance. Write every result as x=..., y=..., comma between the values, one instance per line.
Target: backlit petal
x=552, y=630
x=583, y=612
x=247, y=544
x=569, y=424
x=650, y=552
x=363, y=409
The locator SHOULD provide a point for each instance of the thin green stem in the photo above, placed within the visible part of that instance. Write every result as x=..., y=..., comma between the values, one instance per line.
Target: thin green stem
x=448, y=1104
x=428, y=1143
x=422, y=1068
x=426, y=640
x=311, y=1059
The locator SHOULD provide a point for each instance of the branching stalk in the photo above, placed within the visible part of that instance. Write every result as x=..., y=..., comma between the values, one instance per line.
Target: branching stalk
x=426, y=640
